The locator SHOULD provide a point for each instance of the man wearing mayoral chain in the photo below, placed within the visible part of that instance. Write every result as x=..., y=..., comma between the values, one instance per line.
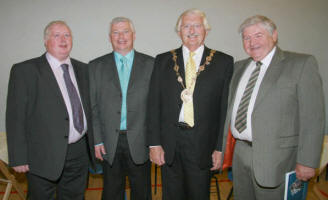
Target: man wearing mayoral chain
x=187, y=108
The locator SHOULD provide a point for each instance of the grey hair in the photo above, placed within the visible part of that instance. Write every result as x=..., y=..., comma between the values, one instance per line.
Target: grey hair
x=196, y=12
x=46, y=31
x=122, y=19
x=264, y=21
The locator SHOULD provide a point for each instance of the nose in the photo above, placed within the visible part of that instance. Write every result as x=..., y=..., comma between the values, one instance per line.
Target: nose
x=252, y=41
x=192, y=29
x=62, y=38
x=120, y=35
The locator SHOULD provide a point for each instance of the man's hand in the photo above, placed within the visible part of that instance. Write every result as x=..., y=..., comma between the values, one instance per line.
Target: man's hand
x=304, y=173
x=21, y=168
x=99, y=151
x=156, y=155
x=216, y=160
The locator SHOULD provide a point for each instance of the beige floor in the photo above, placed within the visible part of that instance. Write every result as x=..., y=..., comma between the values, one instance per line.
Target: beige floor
x=95, y=187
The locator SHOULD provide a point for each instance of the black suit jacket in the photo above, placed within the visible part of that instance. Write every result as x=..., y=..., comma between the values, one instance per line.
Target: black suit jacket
x=36, y=117
x=210, y=104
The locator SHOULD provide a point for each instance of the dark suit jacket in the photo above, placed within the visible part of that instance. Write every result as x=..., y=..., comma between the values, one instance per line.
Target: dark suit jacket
x=210, y=104
x=37, y=119
x=106, y=101
x=288, y=116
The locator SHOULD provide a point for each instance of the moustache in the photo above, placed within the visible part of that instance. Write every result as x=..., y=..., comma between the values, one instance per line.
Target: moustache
x=193, y=35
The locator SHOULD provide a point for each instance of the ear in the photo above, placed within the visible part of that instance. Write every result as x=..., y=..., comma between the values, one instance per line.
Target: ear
x=206, y=33
x=45, y=43
x=109, y=38
x=275, y=36
x=180, y=34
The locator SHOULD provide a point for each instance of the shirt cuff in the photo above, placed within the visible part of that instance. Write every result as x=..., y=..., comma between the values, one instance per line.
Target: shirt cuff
x=154, y=146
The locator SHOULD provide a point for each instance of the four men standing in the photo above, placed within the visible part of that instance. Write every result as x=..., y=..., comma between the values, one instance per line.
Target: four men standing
x=175, y=114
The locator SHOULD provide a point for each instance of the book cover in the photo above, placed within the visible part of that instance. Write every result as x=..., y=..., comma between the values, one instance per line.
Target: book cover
x=295, y=189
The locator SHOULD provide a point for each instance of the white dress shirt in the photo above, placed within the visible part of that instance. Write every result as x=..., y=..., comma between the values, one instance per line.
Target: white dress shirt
x=55, y=65
x=197, y=58
x=247, y=133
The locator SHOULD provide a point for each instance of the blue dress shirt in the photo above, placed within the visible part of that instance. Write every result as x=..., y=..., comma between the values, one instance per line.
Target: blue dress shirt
x=124, y=77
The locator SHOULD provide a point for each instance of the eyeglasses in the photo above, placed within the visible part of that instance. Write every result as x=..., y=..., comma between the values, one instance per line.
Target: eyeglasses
x=124, y=32
x=189, y=26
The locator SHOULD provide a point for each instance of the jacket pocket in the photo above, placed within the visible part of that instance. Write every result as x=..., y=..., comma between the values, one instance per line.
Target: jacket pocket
x=289, y=141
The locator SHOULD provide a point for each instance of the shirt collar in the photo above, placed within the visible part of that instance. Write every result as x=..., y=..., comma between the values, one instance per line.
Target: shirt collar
x=199, y=51
x=54, y=62
x=267, y=59
x=128, y=56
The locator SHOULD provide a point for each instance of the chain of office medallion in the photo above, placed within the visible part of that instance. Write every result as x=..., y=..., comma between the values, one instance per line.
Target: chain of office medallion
x=201, y=68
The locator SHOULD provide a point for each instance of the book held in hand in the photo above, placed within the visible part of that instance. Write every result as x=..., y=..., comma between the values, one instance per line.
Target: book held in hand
x=295, y=189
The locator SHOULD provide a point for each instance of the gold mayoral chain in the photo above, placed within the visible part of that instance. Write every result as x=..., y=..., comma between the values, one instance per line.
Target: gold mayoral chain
x=187, y=93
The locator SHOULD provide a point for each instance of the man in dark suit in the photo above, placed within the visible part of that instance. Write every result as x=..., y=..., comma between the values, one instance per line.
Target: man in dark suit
x=119, y=84
x=276, y=113
x=47, y=119
x=187, y=107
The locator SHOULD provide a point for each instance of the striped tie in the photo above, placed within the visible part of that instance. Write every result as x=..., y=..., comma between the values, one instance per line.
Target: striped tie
x=241, y=118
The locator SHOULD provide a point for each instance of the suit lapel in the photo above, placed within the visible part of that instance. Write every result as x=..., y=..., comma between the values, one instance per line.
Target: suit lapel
x=235, y=81
x=80, y=80
x=172, y=83
x=136, y=71
x=78, y=75
x=48, y=76
x=112, y=69
x=199, y=78
x=205, y=54
x=180, y=63
x=271, y=76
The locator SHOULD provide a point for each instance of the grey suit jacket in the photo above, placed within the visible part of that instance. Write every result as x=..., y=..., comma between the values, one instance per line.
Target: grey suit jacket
x=288, y=116
x=37, y=119
x=106, y=100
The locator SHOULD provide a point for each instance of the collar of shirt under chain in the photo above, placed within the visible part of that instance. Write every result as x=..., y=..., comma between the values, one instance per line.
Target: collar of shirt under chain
x=201, y=68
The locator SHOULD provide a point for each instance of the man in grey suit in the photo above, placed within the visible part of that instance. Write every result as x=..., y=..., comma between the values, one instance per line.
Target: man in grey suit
x=47, y=119
x=275, y=113
x=119, y=84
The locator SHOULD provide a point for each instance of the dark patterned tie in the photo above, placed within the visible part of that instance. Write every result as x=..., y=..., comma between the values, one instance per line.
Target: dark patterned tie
x=241, y=118
x=74, y=99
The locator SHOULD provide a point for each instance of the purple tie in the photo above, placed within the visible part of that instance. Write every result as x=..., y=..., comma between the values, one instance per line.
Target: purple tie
x=74, y=99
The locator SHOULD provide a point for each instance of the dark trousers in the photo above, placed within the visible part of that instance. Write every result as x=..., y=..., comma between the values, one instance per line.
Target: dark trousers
x=184, y=179
x=71, y=184
x=123, y=165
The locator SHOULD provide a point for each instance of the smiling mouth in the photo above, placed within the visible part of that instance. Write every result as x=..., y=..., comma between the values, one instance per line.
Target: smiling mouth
x=255, y=48
x=122, y=42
